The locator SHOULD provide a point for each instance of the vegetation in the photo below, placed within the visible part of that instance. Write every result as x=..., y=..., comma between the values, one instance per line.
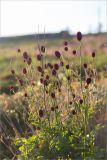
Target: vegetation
x=57, y=99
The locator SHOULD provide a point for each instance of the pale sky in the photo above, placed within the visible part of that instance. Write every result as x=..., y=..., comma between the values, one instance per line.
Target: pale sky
x=20, y=17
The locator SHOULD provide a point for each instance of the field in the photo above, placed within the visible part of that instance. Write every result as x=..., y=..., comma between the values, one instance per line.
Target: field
x=21, y=104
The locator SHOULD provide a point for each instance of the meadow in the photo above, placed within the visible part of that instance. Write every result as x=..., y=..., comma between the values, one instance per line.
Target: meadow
x=53, y=98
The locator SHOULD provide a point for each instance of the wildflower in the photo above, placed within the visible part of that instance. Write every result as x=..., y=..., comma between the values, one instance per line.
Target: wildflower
x=25, y=55
x=70, y=102
x=53, y=95
x=29, y=61
x=67, y=66
x=39, y=57
x=21, y=82
x=39, y=68
x=47, y=76
x=85, y=65
x=43, y=49
x=61, y=63
x=73, y=95
x=52, y=109
x=56, y=107
x=65, y=43
x=57, y=54
x=26, y=95
x=12, y=71
x=56, y=66
x=68, y=78
x=41, y=80
x=73, y=112
x=24, y=71
x=93, y=54
x=11, y=88
x=80, y=101
x=74, y=52
x=88, y=81
x=41, y=113
x=50, y=65
x=18, y=50
x=54, y=72
x=79, y=36
x=66, y=49
x=45, y=82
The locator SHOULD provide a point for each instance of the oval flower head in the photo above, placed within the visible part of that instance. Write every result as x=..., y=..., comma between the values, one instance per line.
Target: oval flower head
x=79, y=36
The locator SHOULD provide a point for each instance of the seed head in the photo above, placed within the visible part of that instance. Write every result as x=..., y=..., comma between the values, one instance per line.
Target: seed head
x=68, y=78
x=57, y=54
x=88, y=81
x=79, y=36
x=26, y=95
x=80, y=101
x=70, y=102
x=45, y=82
x=56, y=66
x=74, y=52
x=85, y=65
x=41, y=80
x=66, y=49
x=24, y=71
x=47, y=77
x=18, y=50
x=65, y=43
x=43, y=49
x=73, y=112
x=61, y=63
x=93, y=54
x=41, y=113
x=54, y=72
x=39, y=68
x=67, y=66
x=25, y=55
x=39, y=57
x=53, y=95
x=21, y=82
x=52, y=109
x=29, y=61
x=12, y=71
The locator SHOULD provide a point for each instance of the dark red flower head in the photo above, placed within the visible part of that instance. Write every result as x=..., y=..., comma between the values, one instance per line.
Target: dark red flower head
x=88, y=81
x=24, y=71
x=79, y=36
x=65, y=43
x=21, y=82
x=29, y=61
x=41, y=113
x=56, y=66
x=93, y=54
x=80, y=101
x=67, y=66
x=18, y=50
x=66, y=49
x=85, y=65
x=57, y=54
x=25, y=55
x=53, y=95
x=12, y=71
x=43, y=49
x=74, y=52
x=26, y=95
x=52, y=108
x=39, y=68
x=73, y=112
x=54, y=72
x=39, y=57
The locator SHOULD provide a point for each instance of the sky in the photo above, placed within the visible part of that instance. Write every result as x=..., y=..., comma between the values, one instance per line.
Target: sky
x=21, y=17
